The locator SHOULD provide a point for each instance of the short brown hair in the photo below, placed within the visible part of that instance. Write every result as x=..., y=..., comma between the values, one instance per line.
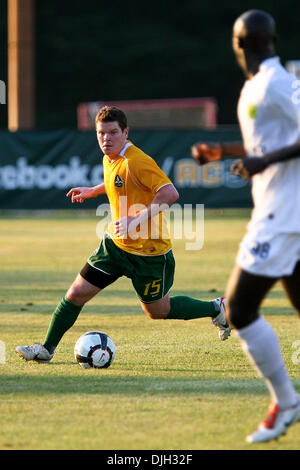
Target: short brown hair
x=111, y=114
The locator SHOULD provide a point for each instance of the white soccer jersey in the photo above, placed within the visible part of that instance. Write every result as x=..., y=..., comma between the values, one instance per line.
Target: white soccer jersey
x=269, y=118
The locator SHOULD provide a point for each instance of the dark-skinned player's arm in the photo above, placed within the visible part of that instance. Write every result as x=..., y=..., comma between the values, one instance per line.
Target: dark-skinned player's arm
x=205, y=152
x=250, y=166
x=81, y=193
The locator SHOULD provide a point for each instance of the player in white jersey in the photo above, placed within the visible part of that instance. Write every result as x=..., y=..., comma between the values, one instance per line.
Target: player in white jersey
x=269, y=119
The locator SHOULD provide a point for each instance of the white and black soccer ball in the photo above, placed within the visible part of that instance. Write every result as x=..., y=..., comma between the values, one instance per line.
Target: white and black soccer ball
x=94, y=349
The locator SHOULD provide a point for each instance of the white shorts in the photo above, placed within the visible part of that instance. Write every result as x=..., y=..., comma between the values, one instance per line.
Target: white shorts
x=269, y=255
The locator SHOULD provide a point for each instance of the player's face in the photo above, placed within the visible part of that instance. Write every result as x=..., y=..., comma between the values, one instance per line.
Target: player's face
x=111, y=138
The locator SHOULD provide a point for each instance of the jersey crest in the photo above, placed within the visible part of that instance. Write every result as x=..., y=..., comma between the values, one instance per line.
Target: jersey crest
x=118, y=181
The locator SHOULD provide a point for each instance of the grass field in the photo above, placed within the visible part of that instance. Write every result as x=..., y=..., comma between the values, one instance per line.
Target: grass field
x=173, y=384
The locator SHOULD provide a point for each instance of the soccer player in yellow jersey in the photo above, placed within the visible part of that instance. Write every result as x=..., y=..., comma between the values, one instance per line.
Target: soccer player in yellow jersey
x=136, y=244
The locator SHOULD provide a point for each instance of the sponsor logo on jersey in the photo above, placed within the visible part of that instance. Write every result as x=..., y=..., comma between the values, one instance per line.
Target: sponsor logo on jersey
x=252, y=111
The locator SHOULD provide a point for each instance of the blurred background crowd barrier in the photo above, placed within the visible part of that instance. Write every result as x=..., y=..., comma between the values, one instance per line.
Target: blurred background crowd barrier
x=38, y=168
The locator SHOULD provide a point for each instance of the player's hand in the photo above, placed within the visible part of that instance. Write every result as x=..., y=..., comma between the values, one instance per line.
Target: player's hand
x=126, y=225
x=80, y=194
x=204, y=153
x=248, y=167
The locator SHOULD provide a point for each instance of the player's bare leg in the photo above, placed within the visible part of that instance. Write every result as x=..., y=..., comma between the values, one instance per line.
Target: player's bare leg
x=245, y=293
x=187, y=308
x=291, y=285
x=81, y=291
x=157, y=310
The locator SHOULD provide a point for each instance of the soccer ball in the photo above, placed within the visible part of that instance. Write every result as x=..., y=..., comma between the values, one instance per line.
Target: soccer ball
x=94, y=349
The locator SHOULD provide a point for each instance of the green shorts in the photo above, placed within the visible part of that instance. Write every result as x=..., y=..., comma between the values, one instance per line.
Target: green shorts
x=152, y=276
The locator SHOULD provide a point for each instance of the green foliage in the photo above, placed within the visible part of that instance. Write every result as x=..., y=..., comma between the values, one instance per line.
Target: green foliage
x=88, y=51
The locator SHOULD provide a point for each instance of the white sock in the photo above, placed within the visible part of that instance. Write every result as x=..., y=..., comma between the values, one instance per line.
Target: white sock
x=261, y=345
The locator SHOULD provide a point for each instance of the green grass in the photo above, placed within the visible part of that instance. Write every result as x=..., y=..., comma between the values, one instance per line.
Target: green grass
x=173, y=385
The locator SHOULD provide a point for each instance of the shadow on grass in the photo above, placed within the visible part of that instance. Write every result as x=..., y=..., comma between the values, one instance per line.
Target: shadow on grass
x=89, y=384
x=89, y=309
x=117, y=309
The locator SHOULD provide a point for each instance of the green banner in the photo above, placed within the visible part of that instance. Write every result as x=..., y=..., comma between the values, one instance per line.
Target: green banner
x=38, y=168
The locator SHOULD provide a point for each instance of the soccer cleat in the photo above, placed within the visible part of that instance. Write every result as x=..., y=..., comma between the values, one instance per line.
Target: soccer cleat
x=36, y=353
x=275, y=423
x=220, y=321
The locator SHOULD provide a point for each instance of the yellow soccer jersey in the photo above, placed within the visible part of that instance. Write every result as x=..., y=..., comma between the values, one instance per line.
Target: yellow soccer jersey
x=131, y=182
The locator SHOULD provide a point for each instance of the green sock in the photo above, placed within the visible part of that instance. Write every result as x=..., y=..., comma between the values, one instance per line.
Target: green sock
x=187, y=308
x=64, y=316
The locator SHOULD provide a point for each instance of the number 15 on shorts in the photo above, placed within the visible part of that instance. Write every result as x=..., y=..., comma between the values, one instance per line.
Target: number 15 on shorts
x=153, y=288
